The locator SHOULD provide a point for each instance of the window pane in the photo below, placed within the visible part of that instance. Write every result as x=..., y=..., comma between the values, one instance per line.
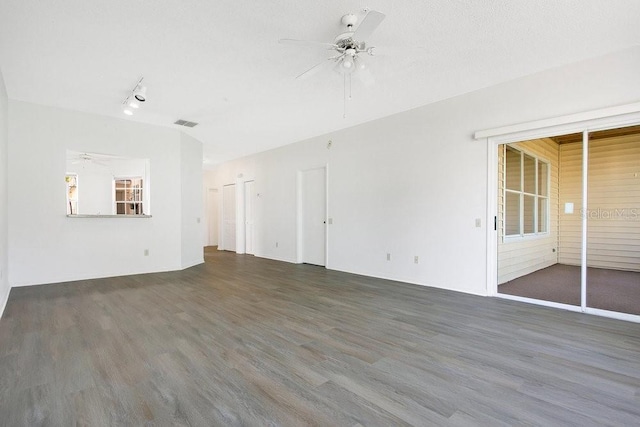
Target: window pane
x=512, y=214
x=542, y=178
x=529, y=174
x=543, y=214
x=512, y=166
x=529, y=214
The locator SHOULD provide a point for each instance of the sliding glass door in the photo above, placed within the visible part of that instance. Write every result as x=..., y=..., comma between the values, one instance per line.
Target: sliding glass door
x=568, y=221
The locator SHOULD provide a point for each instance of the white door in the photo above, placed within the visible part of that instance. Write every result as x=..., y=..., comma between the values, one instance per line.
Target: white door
x=212, y=217
x=314, y=211
x=249, y=197
x=229, y=217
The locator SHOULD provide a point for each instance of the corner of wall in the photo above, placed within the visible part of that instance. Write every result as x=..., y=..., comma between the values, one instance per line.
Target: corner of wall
x=4, y=208
x=191, y=201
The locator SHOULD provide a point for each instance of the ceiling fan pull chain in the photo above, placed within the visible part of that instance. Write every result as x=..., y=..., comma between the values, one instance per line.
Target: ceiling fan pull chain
x=349, y=87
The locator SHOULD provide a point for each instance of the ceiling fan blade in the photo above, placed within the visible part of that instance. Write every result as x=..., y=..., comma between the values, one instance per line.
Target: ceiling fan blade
x=316, y=68
x=368, y=25
x=307, y=43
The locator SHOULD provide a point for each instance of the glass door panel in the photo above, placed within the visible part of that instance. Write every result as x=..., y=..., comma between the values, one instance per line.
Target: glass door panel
x=613, y=220
x=539, y=226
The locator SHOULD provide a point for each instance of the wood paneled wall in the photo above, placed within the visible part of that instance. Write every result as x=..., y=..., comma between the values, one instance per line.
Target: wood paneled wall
x=613, y=228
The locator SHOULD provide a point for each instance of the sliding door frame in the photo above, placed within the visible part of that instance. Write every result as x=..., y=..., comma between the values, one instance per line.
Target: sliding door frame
x=585, y=123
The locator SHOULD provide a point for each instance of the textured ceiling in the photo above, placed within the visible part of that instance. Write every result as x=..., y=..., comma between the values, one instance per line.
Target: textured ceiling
x=219, y=62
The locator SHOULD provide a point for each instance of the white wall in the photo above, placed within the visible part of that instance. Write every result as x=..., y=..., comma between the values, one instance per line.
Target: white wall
x=191, y=201
x=414, y=183
x=45, y=245
x=4, y=230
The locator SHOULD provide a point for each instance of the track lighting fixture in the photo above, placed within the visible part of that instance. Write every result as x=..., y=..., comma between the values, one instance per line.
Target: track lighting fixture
x=137, y=95
x=140, y=93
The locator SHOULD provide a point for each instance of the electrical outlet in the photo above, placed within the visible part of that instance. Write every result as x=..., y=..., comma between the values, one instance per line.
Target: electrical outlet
x=388, y=257
x=146, y=252
x=276, y=244
x=415, y=259
x=198, y=220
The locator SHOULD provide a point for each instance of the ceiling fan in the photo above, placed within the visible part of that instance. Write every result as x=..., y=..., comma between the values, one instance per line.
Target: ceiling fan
x=350, y=47
x=76, y=158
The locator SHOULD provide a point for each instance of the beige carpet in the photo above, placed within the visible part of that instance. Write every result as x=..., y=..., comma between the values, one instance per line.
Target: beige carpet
x=612, y=290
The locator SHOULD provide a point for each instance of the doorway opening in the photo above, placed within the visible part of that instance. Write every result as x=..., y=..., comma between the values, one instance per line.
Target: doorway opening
x=568, y=221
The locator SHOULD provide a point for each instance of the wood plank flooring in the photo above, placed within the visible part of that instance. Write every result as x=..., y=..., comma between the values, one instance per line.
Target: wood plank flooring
x=248, y=341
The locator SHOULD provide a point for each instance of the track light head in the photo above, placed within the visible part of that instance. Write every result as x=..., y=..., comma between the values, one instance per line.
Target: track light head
x=140, y=94
x=136, y=96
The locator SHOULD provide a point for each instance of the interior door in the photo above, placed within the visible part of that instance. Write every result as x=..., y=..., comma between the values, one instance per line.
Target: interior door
x=212, y=217
x=229, y=217
x=314, y=212
x=249, y=198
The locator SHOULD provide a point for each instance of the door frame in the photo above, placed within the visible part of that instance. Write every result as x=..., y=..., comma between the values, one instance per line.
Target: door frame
x=299, y=213
x=608, y=118
x=244, y=210
x=222, y=243
x=216, y=224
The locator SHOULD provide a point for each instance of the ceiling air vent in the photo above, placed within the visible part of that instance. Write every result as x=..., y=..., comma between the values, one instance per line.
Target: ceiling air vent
x=185, y=123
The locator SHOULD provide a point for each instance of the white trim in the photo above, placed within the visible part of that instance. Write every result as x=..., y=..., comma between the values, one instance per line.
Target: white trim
x=326, y=215
x=299, y=247
x=583, y=246
x=542, y=302
x=613, y=314
x=240, y=229
x=492, y=217
x=588, y=310
x=3, y=304
x=559, y=121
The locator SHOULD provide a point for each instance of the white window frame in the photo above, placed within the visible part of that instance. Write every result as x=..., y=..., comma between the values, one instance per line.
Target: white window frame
x=142, y=201
x=522, y=193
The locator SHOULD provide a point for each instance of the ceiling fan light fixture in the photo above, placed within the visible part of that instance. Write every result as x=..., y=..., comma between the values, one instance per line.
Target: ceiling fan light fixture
x=134, y=104
x=127, y=111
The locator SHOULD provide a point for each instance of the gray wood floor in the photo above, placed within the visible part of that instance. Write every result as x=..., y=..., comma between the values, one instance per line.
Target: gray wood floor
x=247, y=341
